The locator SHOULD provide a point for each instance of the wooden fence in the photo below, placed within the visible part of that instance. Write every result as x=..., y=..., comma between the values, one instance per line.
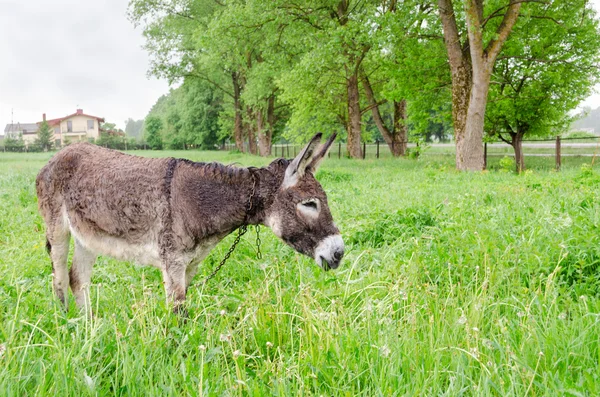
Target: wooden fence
x=557, y=148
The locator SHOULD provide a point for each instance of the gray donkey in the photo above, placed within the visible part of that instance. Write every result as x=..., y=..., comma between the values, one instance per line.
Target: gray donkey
x=169, y=213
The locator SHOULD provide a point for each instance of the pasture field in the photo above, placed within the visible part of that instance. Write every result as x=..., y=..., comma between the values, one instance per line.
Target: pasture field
x=453, y=284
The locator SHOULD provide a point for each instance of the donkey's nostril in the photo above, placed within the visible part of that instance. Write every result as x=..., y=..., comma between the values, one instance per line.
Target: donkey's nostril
x=337, y=255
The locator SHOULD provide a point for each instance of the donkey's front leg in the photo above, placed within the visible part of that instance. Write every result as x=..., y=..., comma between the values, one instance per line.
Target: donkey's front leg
x=175, y=283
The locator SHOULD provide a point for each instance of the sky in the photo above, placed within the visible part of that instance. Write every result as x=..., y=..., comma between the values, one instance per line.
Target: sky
x=60, y=55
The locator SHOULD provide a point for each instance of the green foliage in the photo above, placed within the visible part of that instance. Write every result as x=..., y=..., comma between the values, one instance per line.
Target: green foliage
x=14, y=144
x=190, y=116
x=507, y=163
x=546, y=68
x=390, y=228
x=45, y=137
x=134, y=128
x=154, y=126
x=106, y=126
x=111, y=141
x=301, y=55
x=452, y=284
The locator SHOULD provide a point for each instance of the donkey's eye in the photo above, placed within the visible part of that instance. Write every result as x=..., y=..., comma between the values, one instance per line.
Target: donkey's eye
x=309, y=208
x=310, y=204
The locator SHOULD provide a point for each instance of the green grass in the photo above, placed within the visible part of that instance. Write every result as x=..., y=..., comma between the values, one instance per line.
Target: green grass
x=452, y=284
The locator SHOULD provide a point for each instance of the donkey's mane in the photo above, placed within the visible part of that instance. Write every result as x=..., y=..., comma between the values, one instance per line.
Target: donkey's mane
x=217, y=170
x=232, y=171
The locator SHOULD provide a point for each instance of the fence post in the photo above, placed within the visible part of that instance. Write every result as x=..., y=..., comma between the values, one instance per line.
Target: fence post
x=364, y=150
x=339, y=150
x=558, y=153
x=377, y=148
x=294, y=150
x=485, y=155
x=287, y=145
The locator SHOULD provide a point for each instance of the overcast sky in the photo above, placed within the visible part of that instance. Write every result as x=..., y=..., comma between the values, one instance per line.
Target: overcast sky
x=60, y=55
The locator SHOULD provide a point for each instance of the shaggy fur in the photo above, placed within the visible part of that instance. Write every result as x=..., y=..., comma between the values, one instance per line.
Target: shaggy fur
x=169, y=213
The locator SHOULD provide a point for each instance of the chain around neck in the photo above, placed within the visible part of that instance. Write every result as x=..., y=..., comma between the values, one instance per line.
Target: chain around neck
x=241, y=231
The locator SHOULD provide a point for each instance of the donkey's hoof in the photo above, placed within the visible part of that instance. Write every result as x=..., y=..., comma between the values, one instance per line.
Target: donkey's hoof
x=181, y=311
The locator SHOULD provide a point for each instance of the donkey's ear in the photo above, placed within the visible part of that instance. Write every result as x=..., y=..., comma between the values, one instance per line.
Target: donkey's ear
x=297, y=167
x=321, y=154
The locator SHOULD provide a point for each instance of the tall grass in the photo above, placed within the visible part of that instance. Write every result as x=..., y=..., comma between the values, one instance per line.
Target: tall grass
x=452, y=284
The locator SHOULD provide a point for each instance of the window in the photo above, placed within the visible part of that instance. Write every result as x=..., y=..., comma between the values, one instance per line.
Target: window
x=56, y=130
x=69, y=126
x=90, y=124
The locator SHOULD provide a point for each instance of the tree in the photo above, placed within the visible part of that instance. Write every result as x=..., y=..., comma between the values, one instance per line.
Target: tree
x=106, y=126
x=404, y=73
x=472, y=53
x=544, y=71
x=324, y=86
x=190, y=115
x=134, y=128
x=14, y=144
x=154, y=126
x=45, y=137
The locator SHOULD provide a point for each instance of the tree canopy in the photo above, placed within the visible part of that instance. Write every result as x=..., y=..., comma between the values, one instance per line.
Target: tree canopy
x=251, y=70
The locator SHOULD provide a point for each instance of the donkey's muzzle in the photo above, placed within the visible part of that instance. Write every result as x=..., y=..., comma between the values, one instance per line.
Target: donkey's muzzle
x=329, y=252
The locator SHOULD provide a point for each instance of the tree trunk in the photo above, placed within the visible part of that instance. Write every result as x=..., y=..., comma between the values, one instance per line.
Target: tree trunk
x=471, y=67
x=395, y=139
x=354, y=115
x=517, y=144
x=237, y=105
x=469, y=149
x=264, y=136
x=250, y=129
x=400, y=136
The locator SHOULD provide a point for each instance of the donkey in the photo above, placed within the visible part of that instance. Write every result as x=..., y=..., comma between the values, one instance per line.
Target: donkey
x=169, y=213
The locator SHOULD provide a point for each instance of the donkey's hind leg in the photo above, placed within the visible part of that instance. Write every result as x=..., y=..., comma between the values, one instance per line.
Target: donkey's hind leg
x=57, y=244
x=80, y=276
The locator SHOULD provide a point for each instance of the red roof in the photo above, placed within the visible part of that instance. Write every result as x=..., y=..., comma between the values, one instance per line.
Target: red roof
x=79, y=112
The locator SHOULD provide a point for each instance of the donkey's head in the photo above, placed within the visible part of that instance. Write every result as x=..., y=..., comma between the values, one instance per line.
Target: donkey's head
x=300, y=215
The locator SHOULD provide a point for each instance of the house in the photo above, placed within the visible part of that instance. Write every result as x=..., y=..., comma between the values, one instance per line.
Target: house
x=75, y=127
x=27, y=130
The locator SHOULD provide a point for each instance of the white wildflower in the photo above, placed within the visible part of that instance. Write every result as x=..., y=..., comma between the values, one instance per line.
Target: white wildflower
x=562, y=316
x=462, y=320
x=385, y=351
x=225, y=337
x=89, y=381
x=236, y=354
x=474, y=352
x=269, y=345
x=222, y=312
x=2, y=349
x=202, y=348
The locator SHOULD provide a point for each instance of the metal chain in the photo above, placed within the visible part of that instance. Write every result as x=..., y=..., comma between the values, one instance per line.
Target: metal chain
x=258, y=253
x=241, y=231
